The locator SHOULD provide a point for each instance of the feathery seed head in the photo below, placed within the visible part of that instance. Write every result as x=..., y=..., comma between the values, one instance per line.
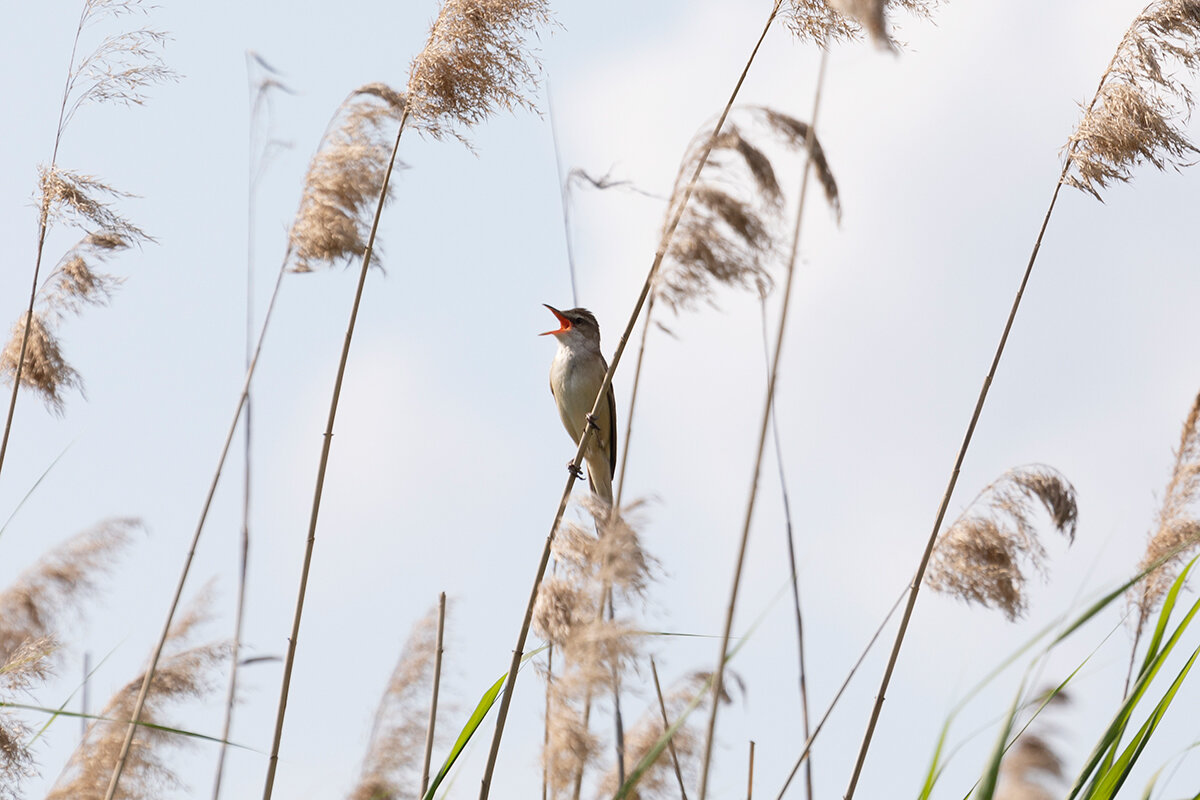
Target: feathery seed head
x=44, y=369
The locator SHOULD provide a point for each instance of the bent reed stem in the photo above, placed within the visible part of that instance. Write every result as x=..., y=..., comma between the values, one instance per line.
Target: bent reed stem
x=273, y=759
x=719, y=672
x=585, y=440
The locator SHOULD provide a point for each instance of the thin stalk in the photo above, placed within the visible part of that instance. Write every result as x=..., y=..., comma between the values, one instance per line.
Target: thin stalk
x=750, y=773
x=962, y=452
x=83, y=700
x=546, y=719
x=585, y=440
x=633, y=394
x=43, y=226
x=563, y=196
x=719, y=673
x=662, y=709
x=433, y=703
x=244, y=550
x=803, y=757
x=289, y=662
x=144, y=691
x=791, y=546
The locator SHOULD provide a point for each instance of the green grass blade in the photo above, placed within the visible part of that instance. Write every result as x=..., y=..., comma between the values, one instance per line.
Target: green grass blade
x=473, y=723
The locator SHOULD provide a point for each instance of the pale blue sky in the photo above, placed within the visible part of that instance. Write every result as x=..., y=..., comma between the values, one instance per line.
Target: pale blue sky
x=448, y=458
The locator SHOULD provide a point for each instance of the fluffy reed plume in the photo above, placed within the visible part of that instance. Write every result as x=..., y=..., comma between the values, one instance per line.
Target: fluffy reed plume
x=186, y=673
x=344, y=180
x=1176, y=536
x=981, y=557
x=475, y=63
x=660, y=779
x=61, y=581
x=729, y=230
x=569, y=615
x=119, y=70
x=21, y=668
x=392, y=767
x=1030, y=764
x=829, y=21
x=1141, y=106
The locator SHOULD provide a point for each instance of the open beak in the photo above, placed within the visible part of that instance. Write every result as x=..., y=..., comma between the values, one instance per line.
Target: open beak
x=563, y=321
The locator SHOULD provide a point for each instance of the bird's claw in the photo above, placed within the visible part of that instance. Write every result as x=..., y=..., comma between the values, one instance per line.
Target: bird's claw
x=574, y=469
x=591, y=421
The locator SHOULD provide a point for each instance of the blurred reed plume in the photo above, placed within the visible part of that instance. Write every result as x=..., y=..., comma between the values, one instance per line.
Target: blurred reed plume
x=121, y=68
x=392, y=767
x=185, y=673
x=828, y=21
x=1032, y=766
x=21, y=669
x=345, y=179
x=981, y=557
x=729, y=230
x=475, y=63
x=593, y=648
x=1140, y=108
x=1176, y=536
x=660, y=780
x=32, y=607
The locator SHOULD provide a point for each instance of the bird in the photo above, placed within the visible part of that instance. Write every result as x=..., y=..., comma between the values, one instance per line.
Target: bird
x=576, y=375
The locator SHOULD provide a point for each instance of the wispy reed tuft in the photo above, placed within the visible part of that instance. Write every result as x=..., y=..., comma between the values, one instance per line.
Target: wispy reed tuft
x=1176, y=536
x=981, y=557
x=1032, y=765
x=593, y=648
x=729, y=230
x=826, y=22
x=21, y=668
x=344, y=180
x=59, y=583
x=1140, y=109
x=476, y=62
x=186, y=673
x=392, y=767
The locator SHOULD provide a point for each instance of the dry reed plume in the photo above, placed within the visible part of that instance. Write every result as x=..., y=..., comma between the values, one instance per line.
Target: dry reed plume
x=21, y=668
x=392, y=767
x=59, y=583
x=119, y=70
x=344, y=180
x=660, y=779
x=981, y=557
x=593, y=648
x=1176, y=535
x=186, y=673
x=476, y=62
x=729, y=229
x=828, y=21
x=1141, y=106
x=1031, y=766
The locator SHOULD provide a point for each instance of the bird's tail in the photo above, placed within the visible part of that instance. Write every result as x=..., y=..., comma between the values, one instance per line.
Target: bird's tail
x=600, y=479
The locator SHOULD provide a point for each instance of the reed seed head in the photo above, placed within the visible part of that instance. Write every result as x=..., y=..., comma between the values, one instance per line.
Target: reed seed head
x=981, y=557
x=475, y=63
x=1139, y=111
x=344, y=180
x=828, y=21
x=21, y=669
x=44, y=369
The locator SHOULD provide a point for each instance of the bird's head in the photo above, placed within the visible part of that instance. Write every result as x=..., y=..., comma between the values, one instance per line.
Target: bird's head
x=577, y=326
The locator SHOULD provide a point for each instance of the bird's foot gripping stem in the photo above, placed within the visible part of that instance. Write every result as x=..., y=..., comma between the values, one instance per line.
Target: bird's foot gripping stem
x=591, y=422
x=574, y=469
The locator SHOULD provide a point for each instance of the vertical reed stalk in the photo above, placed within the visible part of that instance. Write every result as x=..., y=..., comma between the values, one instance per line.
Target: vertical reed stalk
x=140, y=703
x=750, y=774
x=958, y=460
x=633, y=394
x=719, y=673
x=433, y=703
x=791, y=546
x=585, y=440
x=662, y=710
x=290, y=660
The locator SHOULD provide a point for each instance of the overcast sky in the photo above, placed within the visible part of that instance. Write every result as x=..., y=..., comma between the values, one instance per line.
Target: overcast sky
x=448, y=458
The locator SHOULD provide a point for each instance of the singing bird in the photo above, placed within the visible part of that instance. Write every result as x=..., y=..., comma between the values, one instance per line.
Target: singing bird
x=576, y=374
